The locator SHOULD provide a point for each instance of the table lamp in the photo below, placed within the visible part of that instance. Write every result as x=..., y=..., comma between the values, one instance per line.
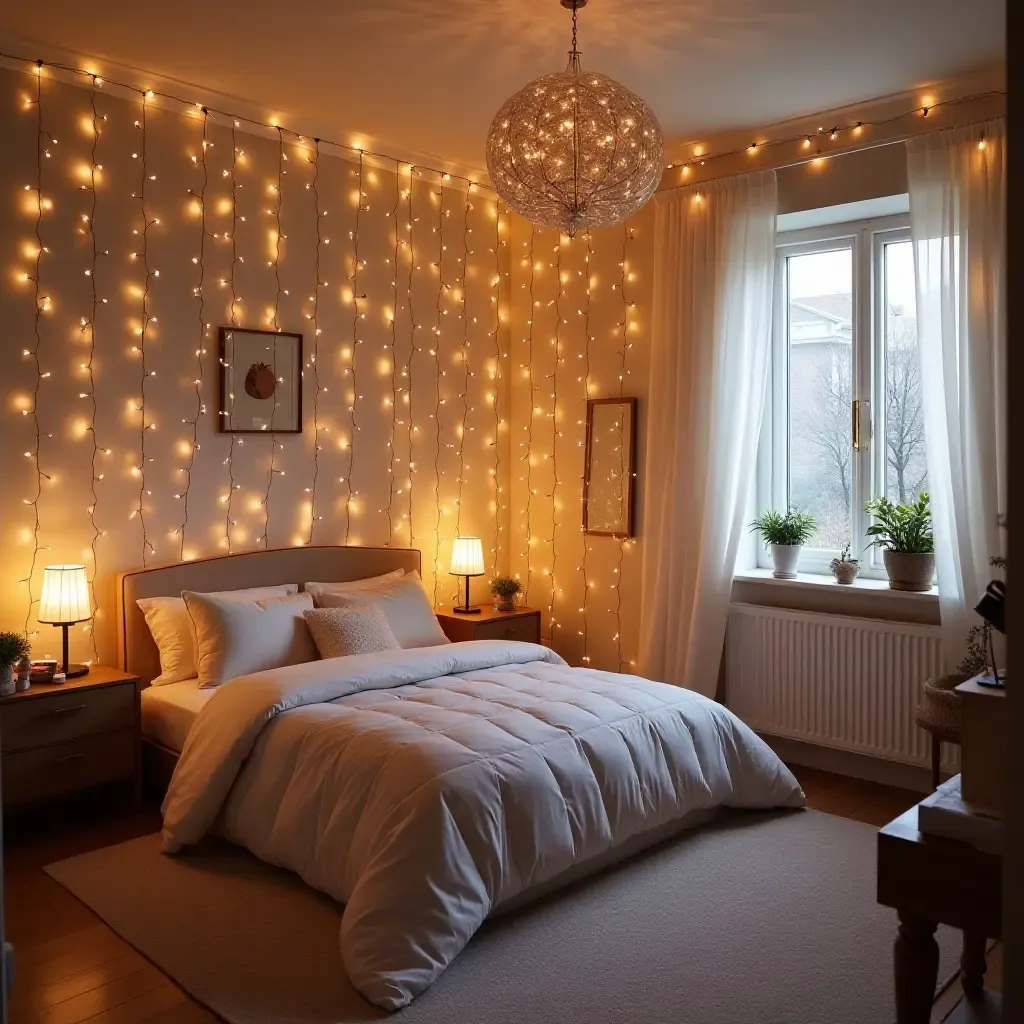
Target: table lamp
x=65, y=601
x=467, y=560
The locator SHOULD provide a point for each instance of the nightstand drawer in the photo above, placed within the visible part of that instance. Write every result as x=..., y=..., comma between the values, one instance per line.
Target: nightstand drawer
x=66, y=767
x=525, y=628
x=57, y=718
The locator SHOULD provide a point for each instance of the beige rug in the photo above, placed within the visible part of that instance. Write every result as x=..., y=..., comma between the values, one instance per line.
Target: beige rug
x=759, y=919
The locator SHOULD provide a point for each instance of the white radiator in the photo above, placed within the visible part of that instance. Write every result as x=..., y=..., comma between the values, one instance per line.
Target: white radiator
x=835, y=681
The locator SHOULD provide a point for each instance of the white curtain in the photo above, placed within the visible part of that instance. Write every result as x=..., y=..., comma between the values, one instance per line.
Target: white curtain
x=957, y=185
x=710, y=341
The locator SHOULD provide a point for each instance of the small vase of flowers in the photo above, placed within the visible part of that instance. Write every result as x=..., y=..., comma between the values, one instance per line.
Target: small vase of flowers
x=785, y=536
x=13, y=647
x=505, y=590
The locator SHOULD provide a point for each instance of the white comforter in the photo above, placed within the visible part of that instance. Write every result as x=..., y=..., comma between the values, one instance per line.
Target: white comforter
x=424, y=787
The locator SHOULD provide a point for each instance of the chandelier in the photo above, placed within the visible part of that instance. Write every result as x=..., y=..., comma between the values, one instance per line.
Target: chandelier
x=575, y=149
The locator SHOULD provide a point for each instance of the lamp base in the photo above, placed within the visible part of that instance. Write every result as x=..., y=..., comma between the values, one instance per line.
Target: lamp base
x=74, y=671
x=466, y=611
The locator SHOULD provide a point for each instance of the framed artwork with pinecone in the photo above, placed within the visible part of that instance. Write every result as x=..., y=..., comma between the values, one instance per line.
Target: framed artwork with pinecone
x=260, y=382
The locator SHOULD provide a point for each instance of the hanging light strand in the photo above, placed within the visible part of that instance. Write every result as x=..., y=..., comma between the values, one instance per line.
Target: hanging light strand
x=528, y=444
x=315, y=327
x=356, y=316
x=392, y=352
x=272, y=469
x=496, y=389
x=197, y=291
x=230, y=460
x=41, y=302
x=555, y=482
x=434, y=350
x=584, y=631
x=144, y=373
x=95, y=474
x=413, y=328
x=464, y=359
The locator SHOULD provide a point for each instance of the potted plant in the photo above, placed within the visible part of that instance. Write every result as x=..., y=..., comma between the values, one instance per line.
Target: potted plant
x=904, y=533
x=505, y=590
x=845, y=568
x=785, y=536
x=13, y=647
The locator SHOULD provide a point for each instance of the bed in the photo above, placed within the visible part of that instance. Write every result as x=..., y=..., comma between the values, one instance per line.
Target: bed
x=429, y=788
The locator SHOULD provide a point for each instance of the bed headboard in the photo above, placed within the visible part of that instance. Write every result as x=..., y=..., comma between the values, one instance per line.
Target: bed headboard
x=136, y=651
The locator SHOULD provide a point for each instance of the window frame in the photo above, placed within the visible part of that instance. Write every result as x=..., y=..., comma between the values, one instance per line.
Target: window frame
x=866, y=239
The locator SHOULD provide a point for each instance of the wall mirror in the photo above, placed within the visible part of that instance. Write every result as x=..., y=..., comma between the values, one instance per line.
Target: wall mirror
x=609, y=467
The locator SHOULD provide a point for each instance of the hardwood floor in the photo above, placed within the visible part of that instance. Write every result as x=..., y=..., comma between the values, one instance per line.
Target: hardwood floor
x=70, y=967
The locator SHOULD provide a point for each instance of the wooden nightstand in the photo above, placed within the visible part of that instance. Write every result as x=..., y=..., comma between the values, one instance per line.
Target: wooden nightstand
x=60, y=739
x=522, y=624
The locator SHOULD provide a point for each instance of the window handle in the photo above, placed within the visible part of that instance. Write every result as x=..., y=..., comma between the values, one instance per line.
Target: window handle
x=859, y=444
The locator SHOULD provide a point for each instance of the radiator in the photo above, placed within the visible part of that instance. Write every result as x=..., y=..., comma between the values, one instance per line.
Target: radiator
x=840, y=682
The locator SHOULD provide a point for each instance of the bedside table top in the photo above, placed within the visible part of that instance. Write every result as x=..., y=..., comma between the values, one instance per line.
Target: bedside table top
x=97, y=676
x=487, y=613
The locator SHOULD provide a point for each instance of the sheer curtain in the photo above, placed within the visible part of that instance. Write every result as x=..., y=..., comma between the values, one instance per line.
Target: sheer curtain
x=710, y=341
x=957, y=185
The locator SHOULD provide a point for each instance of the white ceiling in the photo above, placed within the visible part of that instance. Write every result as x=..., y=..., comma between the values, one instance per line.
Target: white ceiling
x=427, y=75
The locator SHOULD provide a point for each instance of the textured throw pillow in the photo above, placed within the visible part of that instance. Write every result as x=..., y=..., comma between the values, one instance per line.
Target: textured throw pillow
x=359, y=629
x=234, y=638
x=405, y=606
x=351, y=586
x=171, y=627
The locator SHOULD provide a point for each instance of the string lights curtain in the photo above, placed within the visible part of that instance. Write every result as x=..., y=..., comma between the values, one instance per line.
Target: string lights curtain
x=575, y=150
x=957, y=182
x=714, y=260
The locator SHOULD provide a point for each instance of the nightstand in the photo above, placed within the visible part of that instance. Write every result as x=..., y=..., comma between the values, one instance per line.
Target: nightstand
x=488, y=624
x=61, y=739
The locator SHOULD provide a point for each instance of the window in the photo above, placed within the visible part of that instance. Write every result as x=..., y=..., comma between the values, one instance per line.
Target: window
x=843, y=420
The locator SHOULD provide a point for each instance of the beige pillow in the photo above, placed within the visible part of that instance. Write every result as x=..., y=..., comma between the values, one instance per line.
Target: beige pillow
x=351, y=586
x=171, y=627
x=405, y=605
x=234, y=638
x=360, y=629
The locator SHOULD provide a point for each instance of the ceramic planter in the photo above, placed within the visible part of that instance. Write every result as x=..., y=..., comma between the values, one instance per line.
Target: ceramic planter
x=6, y=680
x=911, y=572
x=844, y=572
x=504, y=604
x=785, y=558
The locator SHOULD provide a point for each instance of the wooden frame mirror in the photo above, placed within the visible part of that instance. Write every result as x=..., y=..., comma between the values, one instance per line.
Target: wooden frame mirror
x=608, y=477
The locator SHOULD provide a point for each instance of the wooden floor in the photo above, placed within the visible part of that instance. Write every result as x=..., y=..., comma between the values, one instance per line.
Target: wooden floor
x=70, y=967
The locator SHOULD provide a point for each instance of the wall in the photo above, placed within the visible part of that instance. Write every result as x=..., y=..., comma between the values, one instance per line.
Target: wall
x=402, y=416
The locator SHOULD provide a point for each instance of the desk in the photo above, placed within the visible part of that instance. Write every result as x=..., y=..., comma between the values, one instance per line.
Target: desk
x=930, y=881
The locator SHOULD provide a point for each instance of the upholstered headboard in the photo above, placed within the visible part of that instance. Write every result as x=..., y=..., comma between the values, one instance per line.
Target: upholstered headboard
x=136, y=651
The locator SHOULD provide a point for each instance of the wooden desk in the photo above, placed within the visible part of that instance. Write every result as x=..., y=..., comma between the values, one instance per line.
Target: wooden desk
x=931, y=881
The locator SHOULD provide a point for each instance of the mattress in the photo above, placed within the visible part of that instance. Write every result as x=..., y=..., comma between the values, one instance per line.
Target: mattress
x=169, y=711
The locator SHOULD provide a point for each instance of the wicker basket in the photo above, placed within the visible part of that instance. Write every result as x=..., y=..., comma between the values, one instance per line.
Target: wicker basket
x=939, y=708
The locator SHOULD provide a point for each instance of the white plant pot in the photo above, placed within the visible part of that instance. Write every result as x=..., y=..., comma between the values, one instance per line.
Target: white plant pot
x=911, y=572
x=785, y=558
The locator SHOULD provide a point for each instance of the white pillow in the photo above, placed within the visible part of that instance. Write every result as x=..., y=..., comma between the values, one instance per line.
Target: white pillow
x=171, y=627
x=405, y=606
x=340, y=632
x=351, y=586
x=234, y=638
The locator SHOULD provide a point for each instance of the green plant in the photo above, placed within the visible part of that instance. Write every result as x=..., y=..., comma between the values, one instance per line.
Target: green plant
x=13, y=647
x=844, y=557
x=976, y=658
x=792, y=528
x=506, y=587
x=903, y=528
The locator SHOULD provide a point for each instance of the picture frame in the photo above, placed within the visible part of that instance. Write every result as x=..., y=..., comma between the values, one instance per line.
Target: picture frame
x=610, y=467
x=260, y=382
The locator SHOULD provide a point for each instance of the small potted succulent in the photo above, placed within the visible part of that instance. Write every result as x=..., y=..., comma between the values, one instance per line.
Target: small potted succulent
x=13, y=647
x=845, y=568
x=505, y=590
x=904, y=533
x=785, y=536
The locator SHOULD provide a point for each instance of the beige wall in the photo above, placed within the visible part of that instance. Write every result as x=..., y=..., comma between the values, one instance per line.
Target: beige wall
x=431, y=377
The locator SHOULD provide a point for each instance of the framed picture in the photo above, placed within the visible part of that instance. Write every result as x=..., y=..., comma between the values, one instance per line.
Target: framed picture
x=260, y=382
x=608, y=467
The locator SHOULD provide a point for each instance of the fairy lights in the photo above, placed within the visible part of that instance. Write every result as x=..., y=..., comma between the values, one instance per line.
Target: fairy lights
x=555, y=481
x=228, y=500
x=463, y=395
x=391, y=353
x=436, y=415
x=584, y=632
x=357, y=315
x=528, y=427
x=314, y=324
x=496, y=389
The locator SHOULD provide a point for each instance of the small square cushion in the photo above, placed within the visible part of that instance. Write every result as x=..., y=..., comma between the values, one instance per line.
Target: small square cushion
x=358, y=629
x=234, y=638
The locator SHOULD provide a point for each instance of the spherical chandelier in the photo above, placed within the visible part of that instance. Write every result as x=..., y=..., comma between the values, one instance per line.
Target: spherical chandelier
x=575, y=149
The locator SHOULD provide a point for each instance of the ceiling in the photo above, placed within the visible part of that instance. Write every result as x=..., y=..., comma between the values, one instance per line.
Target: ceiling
x=428, y=75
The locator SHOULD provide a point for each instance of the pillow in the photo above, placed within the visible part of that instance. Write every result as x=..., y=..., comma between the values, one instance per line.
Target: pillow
x=359, y=629
x=405, y=606
x=234, y=638
x=351, y=586
x=171, y=628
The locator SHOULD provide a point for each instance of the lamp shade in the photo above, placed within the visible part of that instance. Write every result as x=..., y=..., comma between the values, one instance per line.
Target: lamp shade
x=65, y=596
x=467, y=557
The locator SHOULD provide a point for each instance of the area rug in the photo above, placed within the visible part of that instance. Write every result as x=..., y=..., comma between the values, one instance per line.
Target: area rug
x=755, y=918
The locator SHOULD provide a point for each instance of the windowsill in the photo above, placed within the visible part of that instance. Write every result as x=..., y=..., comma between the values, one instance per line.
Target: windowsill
x=815, y=581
